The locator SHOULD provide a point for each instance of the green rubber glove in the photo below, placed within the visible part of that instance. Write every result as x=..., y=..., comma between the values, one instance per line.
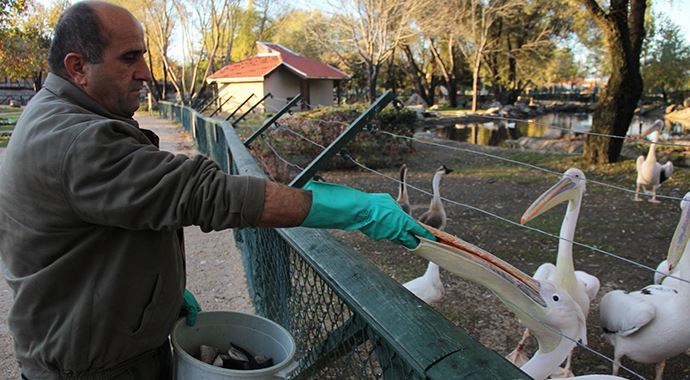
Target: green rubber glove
x=377, y=215
x=190, y=308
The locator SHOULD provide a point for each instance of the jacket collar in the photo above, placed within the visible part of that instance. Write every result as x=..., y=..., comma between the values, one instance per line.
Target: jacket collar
x=66, y=89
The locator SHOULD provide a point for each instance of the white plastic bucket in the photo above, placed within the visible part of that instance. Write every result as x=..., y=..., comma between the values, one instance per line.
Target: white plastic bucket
x=218, y=328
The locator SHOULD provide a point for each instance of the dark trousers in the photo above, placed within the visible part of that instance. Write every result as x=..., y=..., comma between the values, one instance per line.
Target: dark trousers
x=153, y=365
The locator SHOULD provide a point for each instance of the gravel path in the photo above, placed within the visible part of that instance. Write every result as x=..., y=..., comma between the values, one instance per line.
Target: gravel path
x=214, y=267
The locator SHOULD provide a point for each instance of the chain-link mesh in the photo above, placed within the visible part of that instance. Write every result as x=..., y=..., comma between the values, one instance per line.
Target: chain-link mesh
x=334, y=342
x=335, y=335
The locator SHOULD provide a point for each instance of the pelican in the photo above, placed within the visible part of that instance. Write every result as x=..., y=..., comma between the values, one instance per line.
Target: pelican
x=581, y=286
x=403, y=199
x=650, y=325
x=429, y=287
x=555, y=319
x=649, y=172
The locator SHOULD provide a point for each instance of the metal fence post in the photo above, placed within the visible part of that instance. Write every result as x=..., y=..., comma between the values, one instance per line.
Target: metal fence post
x=213, y=99
x=272, y=120
x=220, y=106
x=251, y=109
x=238, y=107
x=343, y=139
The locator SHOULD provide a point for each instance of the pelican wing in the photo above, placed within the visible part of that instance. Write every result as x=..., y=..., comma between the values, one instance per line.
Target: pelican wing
x=590, y=282
x=624, y=313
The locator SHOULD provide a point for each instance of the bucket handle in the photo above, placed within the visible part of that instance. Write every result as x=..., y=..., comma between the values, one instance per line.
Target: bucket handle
x=287, y=370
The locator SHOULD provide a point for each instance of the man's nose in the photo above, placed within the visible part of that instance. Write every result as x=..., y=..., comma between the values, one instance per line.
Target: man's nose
x=143, y=72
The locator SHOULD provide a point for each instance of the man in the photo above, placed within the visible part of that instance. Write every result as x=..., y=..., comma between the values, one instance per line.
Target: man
x=90, y=209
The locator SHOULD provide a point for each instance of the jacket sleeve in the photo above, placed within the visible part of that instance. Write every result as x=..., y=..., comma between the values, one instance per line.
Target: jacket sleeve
x=113, y=176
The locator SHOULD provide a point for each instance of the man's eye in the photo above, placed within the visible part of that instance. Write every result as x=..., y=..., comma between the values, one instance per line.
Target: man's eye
x=129, y=57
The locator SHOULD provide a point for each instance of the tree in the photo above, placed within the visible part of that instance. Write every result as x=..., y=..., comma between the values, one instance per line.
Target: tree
x=525, y=43
x=561, y=67
x=440, y=36
x=666, y=66
x=622, y=26
x=478, y=24
x=302, y=32
x=10, y=8
x=204, y=26
x=25, y=42
x=373, y=29
x=244, y=44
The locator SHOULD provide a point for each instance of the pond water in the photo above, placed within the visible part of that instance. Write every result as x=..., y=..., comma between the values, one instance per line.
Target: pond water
x=495, y=131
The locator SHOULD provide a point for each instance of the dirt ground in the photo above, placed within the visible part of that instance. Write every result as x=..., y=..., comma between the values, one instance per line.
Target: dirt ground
x=609, y=220
x=214, y=267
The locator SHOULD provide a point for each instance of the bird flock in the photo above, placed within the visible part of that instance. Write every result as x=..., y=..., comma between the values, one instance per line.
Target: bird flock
x=645, y=325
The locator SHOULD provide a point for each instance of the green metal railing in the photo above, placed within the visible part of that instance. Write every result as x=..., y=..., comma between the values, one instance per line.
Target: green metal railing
x=349, y=320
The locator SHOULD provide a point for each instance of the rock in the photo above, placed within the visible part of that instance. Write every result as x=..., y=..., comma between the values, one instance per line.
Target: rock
x=416, y=100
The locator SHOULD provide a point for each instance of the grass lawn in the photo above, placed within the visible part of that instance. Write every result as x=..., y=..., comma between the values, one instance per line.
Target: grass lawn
x=8, y=116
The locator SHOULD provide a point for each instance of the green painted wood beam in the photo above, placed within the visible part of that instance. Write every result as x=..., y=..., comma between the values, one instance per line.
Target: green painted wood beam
x=424, y=339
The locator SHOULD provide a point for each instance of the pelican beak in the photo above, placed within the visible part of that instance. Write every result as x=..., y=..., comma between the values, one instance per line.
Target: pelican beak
x=477, y=265
x=563, y=190
x=519, y=292
x=656, y=127
x=680, y=239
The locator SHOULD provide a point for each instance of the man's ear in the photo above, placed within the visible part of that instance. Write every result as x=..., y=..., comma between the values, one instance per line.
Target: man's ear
x=75, y=65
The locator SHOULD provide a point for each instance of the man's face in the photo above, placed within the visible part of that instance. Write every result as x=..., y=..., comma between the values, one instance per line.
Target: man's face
x=115, y=82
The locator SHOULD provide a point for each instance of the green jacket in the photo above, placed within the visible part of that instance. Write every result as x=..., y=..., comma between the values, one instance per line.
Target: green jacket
x=89, y=210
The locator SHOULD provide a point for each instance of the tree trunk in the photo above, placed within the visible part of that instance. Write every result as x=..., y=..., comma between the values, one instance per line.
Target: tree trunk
x=475, y=84
x=623, y=28
x=615, y=109
x=418, y=78
x=37, y=80
x=372, y=78
x=452, y=93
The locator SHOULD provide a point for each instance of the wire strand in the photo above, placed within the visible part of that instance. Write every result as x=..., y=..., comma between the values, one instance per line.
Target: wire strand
x=556, y=331
x=496, y=216
x=281, y=158
x=519, y=163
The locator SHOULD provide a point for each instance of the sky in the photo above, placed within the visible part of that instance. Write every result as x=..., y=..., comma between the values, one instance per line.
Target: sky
x=678, y=11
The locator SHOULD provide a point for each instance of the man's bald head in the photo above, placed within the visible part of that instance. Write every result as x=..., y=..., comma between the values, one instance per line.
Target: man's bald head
x=83, y=29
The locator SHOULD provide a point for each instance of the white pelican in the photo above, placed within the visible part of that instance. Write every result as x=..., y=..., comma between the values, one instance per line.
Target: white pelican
x=403, y=199
x=649, y=172
x=429, y=287
x=581, y=286
x=650, y=325
x=554, y=318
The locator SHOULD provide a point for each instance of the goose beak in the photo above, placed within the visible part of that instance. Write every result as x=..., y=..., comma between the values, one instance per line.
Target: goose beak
x=446, y=170
x=680, y=239
x=563, y=190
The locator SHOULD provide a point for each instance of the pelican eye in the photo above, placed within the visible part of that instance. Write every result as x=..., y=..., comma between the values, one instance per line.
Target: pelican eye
x=555, y=297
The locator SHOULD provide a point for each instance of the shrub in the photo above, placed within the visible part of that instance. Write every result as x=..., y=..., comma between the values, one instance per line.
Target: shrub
x=322, y=126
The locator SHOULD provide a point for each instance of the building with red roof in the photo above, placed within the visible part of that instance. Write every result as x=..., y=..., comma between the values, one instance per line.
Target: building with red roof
x=279, y=71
